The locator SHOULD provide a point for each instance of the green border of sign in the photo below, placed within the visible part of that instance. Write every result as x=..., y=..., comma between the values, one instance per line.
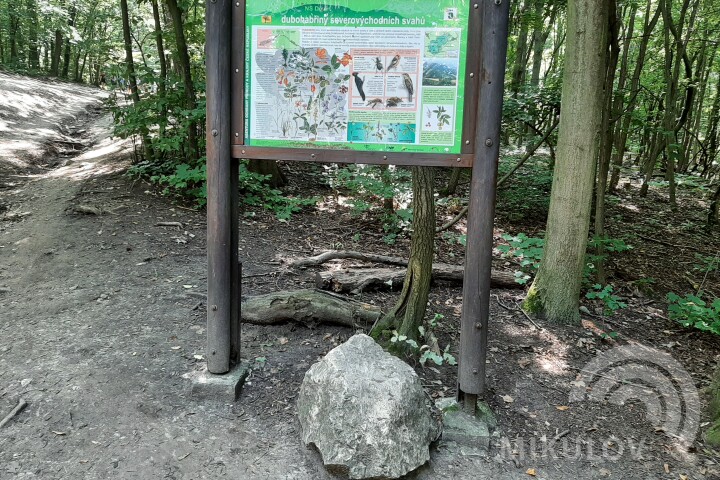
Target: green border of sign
x=380, y=13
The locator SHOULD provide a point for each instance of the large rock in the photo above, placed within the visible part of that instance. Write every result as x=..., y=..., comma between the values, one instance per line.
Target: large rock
x=366, y=412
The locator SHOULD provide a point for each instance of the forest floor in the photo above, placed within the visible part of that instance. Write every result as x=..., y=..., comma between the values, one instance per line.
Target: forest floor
x=102, y=314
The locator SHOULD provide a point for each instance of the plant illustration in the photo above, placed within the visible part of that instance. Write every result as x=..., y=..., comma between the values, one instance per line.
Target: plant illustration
x=443, y=118
x=313, y=88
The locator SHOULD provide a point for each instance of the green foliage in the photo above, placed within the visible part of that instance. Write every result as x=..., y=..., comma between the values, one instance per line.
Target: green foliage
x=254, y=192
x=531, y=105
x=527, y=195
x=529, y=251
x=609, y=245
x=707, y=264
x=605, y=295
x=693, y=311
x=368, y=188
x=407, y=345
x=446, y=357
x=185, y=180
x=526, y=249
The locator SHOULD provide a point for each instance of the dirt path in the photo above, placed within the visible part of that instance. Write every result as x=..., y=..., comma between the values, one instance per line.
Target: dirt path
x=102, y=314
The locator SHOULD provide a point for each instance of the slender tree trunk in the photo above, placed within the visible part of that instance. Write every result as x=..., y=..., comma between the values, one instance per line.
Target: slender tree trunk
x=184, y=62
x=33, y=50
x=606, y=140
x=130, y=71
x=46, y=63
x=162, y=81
x=408, y=313
x=540, y=34
x=66, y=57
x=556, y=290
x=82, y=67
x=650, y=23
x=57, y=47
x=14, y=22
x=519, y=65
x=711, y=133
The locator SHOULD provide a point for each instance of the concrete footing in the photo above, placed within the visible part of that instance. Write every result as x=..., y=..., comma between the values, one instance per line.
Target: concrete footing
x=222, y=388
x=467, y=431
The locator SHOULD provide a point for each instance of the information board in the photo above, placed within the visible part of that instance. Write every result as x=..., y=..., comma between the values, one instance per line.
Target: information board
x=366, y=75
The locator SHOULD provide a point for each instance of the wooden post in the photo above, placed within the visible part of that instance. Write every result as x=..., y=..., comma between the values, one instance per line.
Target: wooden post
x=221, y=259
x=481, y=214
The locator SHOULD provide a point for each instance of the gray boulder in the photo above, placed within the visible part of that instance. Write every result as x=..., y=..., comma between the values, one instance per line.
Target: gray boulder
x=366, y=412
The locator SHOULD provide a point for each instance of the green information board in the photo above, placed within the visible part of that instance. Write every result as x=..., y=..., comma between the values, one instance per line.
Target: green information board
x=366, y=75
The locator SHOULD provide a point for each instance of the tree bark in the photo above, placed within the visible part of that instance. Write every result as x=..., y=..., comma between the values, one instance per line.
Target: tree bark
x=606, y=138
x=57, y=47
x=519, y=65
x=624, y=129
x=132, y=80
x=407, y=314
x=33, y=51
x=66, y=56
x=556, y=290
x=184, y=61
x=162, y=81
x=270, y=169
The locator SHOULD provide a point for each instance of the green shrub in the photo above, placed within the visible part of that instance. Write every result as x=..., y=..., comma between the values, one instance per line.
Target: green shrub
x=693, y=311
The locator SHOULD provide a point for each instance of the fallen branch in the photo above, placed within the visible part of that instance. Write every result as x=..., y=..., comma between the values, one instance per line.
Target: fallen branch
x=86, y=210
x=307, y=307
x=169, y=224
x=19, y=408
x=345, y=254
x=661, y=242
x=12, y=216
x=361, y=280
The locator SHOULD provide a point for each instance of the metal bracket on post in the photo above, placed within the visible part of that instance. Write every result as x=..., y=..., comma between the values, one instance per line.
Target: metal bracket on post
x=481, y=212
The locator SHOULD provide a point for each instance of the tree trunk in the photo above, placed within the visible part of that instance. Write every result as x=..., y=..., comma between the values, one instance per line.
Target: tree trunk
x=556, y=290
x=33, y=51
x=66, y=57
x=408, y=313
x=162, y=81
x=453, y=182
x=634, y=89
x=518, y=71
x=606, y=139
x=713, y=213
x=540, y=36
x=184, y=61
x=712, y=129
x=270, y=169
x=130, y=71
x=57, y=47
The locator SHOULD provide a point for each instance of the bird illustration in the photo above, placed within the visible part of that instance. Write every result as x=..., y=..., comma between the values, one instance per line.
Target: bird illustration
x=378, y=64
x=374, y=102
x=408, y=85
x=359, y=84
x=393, y=63
x=393, y=102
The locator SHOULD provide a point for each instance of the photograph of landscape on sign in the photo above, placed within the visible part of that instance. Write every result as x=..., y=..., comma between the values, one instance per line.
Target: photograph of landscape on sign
x=358, y=77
